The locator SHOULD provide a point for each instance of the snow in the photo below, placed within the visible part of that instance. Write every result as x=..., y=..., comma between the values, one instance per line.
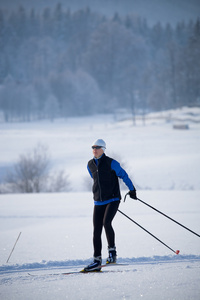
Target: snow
x=56, y=229
x=156, y=155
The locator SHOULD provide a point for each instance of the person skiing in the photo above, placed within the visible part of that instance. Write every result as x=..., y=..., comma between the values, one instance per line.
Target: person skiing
x=106, y=193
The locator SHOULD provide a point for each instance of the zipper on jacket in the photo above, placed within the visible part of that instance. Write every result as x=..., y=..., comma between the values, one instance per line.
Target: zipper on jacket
x=99, y=185
x=98, y=182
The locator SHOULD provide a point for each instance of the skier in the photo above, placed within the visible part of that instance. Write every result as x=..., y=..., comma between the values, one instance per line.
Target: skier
x=106, y=193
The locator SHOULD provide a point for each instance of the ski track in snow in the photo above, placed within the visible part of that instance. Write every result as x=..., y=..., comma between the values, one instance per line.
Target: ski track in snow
x=152, y=278
x=50, y=265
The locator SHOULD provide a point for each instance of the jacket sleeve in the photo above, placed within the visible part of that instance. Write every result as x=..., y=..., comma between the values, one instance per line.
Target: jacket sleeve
x=89, y=171
x=121, y=173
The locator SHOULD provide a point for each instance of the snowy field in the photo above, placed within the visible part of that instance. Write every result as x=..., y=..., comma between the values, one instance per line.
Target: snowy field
x=56, y=229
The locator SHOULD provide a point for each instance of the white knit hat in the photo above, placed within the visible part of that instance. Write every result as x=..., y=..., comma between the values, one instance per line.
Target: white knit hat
x=100, y=142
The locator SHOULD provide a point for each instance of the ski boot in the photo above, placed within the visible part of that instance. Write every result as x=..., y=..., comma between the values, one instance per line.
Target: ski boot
x=95, y=266
x=112, y=255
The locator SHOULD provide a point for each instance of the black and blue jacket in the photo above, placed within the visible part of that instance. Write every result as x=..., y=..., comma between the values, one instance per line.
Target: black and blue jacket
x=105, y=172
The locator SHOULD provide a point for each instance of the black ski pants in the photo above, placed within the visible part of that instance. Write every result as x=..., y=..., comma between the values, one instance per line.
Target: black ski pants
x=102, y=217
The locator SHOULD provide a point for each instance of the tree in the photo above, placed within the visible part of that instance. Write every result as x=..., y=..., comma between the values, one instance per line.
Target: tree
x=45, y=51
x=192, y=65
x=51, y=108
x=31, y=174
x=112, y=50
x=8, y=98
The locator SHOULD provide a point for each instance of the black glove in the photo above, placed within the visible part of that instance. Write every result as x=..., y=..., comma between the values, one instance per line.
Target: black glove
x=132, y=194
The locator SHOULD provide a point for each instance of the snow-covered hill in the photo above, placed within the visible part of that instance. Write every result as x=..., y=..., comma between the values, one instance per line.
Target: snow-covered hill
x=56, y=229
x=156, y=155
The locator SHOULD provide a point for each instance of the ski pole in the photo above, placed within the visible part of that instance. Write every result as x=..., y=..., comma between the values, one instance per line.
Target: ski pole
x=13, y=247
x=168, y=217
x=165, y=215
x=176, y=252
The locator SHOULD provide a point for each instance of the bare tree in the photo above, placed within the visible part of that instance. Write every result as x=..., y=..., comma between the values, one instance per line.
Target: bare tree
x=58, y=182
x=31, y=174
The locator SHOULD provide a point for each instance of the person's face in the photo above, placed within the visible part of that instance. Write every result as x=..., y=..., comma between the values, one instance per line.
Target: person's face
x=97, y=152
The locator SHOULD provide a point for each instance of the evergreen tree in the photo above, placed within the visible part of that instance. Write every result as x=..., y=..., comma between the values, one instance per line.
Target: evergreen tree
x=71, y=60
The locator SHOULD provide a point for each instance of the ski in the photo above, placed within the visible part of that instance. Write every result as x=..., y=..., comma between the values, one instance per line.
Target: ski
x=102, y=266
x=77, y=273
x=94, y=270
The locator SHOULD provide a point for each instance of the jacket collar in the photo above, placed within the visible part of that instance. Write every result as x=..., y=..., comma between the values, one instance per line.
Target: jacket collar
x=97, y=160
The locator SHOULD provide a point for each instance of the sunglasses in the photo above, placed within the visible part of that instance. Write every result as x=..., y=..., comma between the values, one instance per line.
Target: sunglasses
x=96, y=147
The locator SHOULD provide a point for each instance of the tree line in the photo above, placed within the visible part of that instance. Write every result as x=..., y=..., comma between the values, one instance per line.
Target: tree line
x=57, y=63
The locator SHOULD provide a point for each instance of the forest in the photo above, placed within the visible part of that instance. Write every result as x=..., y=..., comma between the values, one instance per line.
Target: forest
x=56, y=63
